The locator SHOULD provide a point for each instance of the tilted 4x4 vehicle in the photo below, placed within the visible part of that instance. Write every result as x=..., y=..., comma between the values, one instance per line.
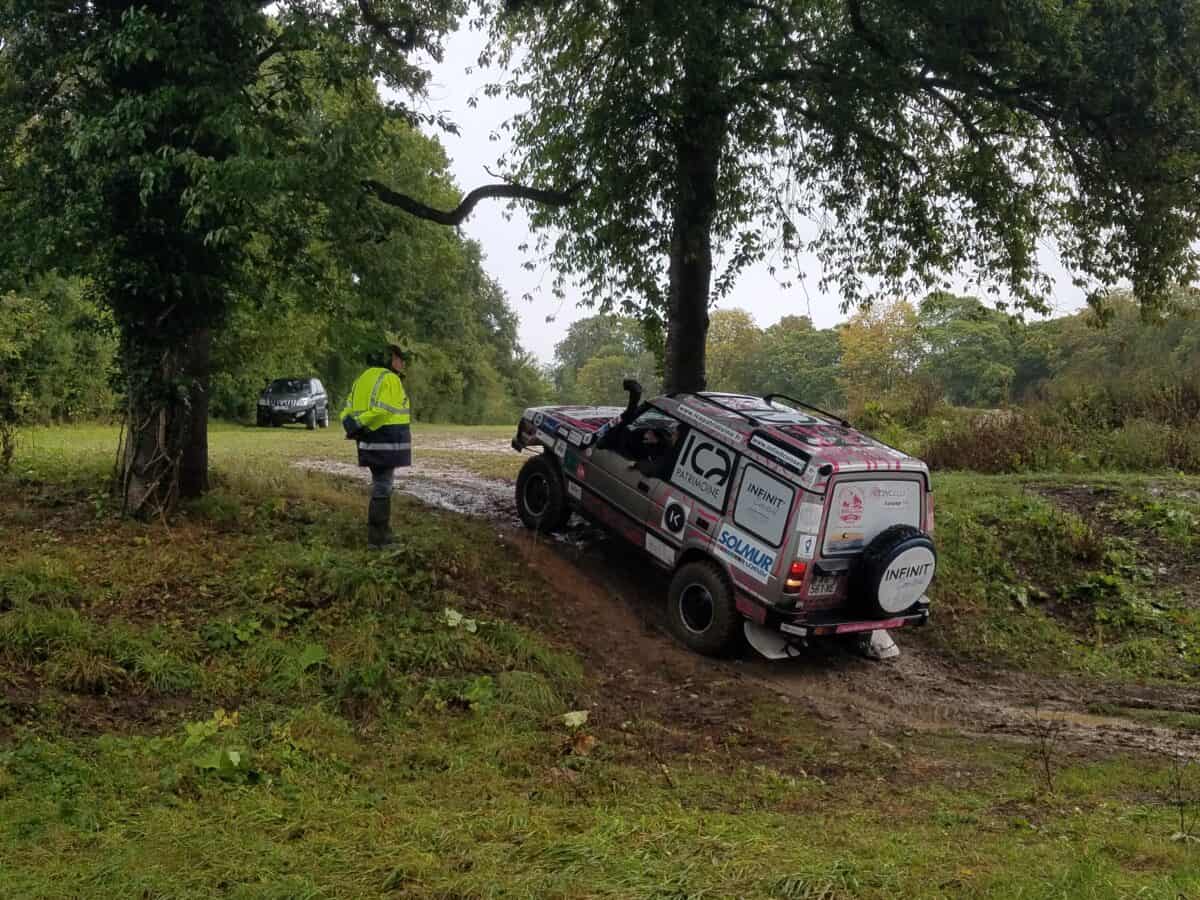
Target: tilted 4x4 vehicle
x=762, y=511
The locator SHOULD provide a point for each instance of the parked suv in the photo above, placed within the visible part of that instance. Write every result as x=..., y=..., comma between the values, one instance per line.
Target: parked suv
x=773, y=517
x=294, y=400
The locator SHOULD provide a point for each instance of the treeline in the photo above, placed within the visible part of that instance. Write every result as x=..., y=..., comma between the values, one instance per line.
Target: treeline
x=951, y=378
x=59, y=347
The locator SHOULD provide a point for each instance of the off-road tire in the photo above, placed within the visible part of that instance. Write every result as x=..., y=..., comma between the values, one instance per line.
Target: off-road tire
x=702, y=611
x=876, y=558
x=323, y=420
x=310, y=419
x=542, y=495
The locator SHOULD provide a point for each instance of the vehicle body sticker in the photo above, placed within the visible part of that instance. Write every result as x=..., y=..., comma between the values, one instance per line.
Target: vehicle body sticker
x=732, y=435
x=704, y=469
x=808, y=517
x=806, y=546
x=796, y=461
x=659, y=549
x=676, y=513
x=574, y=490
x=747, y=553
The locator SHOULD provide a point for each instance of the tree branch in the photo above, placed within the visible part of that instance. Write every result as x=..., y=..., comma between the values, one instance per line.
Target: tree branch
x=386, y=30
x=458, y=215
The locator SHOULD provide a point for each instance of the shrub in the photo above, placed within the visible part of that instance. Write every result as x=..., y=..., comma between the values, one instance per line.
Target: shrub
x=1001, y=441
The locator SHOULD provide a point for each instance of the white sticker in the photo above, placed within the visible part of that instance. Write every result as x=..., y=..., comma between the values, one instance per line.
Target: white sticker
x=575, y=437
x=763, y=504
x=806, y=546
x=748, y=554
x=791, y=460
x=724, y=431
x=809, y=478
x=560, y=449
x=808, y=518
x=574, y=490
x=704, y=468
x=675, y=516
x=660, y=550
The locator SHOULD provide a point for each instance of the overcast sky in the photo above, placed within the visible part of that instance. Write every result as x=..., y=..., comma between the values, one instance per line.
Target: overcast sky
x=544, y=319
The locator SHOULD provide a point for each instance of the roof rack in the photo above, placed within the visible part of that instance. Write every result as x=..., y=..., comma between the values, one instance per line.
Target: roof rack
x=769, y=397
x=717, y=403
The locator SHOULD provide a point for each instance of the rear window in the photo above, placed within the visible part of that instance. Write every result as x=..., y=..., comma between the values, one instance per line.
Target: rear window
x=764, y=504
x=859, y=510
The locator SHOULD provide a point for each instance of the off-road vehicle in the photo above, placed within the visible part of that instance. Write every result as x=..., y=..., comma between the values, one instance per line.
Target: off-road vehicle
x=773, y=517
x=287, y=400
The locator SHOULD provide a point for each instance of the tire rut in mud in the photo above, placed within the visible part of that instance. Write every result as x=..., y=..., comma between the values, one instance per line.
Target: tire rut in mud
x=609, y=603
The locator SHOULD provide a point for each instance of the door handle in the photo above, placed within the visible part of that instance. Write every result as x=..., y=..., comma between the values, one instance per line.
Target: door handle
x=643, y=487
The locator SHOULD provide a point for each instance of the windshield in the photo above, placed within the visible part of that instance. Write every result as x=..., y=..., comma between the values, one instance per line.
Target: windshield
x=289, y=386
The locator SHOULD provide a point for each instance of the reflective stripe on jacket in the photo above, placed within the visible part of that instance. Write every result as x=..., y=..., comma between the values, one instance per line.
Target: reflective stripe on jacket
x=378, y=404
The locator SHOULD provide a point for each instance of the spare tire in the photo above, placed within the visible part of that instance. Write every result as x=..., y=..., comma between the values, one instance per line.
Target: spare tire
x=895, y=571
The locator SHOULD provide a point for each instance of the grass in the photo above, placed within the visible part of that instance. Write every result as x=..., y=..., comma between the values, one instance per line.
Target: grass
x=1028, y=582
x=248, y=704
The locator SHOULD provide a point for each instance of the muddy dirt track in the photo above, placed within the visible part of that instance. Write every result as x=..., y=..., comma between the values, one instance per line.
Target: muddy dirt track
x=609, y=605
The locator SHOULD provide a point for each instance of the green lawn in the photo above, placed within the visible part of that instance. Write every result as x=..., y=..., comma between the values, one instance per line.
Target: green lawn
x=244, y=703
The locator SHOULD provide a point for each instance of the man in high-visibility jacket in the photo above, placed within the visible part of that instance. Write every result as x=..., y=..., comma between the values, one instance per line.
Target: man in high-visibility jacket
x=377, y=416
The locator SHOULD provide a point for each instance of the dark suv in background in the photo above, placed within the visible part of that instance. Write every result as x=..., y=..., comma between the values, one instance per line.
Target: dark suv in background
x=294, y=400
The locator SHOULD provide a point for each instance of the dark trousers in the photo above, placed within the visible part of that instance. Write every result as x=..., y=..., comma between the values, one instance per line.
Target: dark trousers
x=381, y=481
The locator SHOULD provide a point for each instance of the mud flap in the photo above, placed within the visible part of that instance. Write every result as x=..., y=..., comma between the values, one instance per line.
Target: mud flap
x=879, y=645
x=770, y=642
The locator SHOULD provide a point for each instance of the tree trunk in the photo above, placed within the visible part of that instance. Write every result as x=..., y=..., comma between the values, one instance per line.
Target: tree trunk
x=193, y=469
x=698, y=149
x=164, y=456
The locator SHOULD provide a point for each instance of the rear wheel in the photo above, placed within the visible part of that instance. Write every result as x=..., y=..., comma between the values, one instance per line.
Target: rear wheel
x=541, y=495
x=701, y=609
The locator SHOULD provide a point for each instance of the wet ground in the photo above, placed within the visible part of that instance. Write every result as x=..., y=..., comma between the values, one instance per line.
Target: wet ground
x=609, y=605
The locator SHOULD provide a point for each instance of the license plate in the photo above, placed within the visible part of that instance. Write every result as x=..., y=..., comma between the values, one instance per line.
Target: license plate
x=822, y=585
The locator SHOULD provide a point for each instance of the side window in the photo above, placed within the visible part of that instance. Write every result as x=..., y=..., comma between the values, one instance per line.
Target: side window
x=317, y=387
x=704, y=468
x=652, y=436
x=764, y=504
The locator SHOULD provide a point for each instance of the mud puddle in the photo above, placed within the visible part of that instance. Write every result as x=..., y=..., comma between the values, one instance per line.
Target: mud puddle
x=443, y=486
x=467, y=445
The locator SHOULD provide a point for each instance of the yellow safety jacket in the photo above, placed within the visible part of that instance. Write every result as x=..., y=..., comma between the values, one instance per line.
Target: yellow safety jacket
x=377, y=415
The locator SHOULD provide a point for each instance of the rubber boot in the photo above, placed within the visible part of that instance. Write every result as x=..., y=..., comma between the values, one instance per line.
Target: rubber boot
x=379, y=522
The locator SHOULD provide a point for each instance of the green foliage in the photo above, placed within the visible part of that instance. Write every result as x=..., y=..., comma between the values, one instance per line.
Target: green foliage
x=897, y=142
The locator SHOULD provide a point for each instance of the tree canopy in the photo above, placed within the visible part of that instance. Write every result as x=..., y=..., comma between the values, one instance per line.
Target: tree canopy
x=898, y=142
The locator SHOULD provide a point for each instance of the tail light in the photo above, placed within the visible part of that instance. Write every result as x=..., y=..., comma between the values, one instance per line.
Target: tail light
x=795, y=578
x=929, y=513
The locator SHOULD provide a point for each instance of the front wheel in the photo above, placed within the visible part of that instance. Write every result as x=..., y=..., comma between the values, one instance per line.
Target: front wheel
x=323, y=420
x=310, y=419
x=541, y=495
x=701, y=611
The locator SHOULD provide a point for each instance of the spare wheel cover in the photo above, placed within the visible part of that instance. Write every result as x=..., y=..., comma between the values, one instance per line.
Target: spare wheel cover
x=906, y=576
